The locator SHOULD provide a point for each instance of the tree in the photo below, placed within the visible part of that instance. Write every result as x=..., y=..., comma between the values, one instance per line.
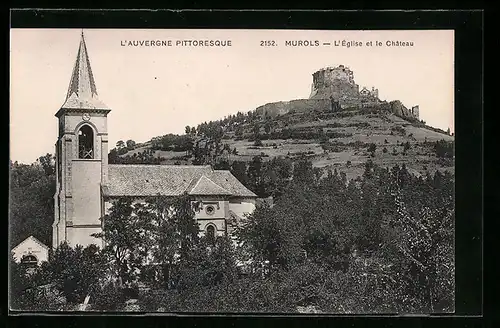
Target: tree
x=160, y=229
x=48, y=163
x=77, y=272
x=277, y=175
x=120, y=144
x=174, y=231
x=130, y=144
x=254, y=175
x=444, y=149
x=187, y=129
x=123, y=232
x=239, y=170
x=423, y=219
x=267, y=127
x=210, y=263
x=256, y=130
x=31, y=203
x=258, y=143
x=372, y=148
x=239, y=131
x=406, y=146
x=265, y=239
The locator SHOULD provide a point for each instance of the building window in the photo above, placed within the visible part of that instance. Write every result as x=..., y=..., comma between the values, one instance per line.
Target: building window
x=210, y=210
x=210, y=233
x=29, y=260
x=86, y=142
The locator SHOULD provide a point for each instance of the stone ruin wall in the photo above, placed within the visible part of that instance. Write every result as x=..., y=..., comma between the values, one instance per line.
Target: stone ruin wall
x=298, y=106
x=324, y=77
x=336, y=84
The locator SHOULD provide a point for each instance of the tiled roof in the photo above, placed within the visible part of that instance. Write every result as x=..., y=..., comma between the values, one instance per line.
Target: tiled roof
x=225, y=179
x=205, y=186
x=171, y=180
x=82, y=91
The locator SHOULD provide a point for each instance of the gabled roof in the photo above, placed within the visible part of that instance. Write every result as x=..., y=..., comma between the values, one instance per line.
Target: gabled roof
x=204, y=186
x=171, y=180
x=32, y=239
x=229, y=182
x=82, y=91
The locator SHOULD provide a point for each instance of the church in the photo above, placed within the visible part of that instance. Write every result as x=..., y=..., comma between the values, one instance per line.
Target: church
x=86, y=184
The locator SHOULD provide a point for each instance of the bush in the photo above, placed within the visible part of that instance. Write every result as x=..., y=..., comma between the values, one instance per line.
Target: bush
x=257, y=143
x=384, y=150
x=109, y=298
x=444, y=149
x=398, y=129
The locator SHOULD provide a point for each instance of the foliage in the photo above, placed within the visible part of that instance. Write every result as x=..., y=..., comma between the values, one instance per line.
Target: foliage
x=31, y=204
x=160, y=230
x=67, y=278
x=172, y=142
x=383, y=242
x=126, y=238
x=147, y=156
x=76, y=271
x=108, y=298
x=444, y=149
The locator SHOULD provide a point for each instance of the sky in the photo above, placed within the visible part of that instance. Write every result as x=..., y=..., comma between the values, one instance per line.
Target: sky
x=155, y=90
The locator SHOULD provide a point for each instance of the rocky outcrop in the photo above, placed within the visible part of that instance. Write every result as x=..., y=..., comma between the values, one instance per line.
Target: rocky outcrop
x=399, y=109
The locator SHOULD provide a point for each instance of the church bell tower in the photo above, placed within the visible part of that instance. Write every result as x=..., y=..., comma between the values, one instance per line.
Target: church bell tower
x=81, y=158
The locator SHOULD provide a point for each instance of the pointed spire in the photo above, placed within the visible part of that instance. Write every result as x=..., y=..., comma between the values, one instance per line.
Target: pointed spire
x=82, y=91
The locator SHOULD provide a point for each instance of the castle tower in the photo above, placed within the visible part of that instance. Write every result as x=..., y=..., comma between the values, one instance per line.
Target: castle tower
x=415, y=111
x=81, y=158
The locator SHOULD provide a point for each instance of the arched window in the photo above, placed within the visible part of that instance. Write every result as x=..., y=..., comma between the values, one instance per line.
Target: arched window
x=86, y=142
x=210, y=233
x=29, y=260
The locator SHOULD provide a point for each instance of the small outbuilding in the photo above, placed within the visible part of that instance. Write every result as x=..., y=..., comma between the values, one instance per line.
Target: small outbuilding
x=31, y=252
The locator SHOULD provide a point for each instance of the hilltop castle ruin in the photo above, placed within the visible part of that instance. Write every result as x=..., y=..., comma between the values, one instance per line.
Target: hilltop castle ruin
x=334, y=88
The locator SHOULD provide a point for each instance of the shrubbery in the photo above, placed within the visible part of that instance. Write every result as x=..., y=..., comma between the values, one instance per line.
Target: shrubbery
x=444, y=149
x=344, y=247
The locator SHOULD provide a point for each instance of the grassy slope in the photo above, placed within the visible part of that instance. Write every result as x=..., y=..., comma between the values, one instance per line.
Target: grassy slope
x=365, y=128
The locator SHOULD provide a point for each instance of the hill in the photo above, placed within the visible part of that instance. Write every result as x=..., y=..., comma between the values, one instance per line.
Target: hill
x=329, y=140
x=339, y=127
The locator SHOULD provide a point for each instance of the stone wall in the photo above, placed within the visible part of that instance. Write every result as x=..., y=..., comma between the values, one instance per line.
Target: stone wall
x=86, y=188
x=399, y=109
x=324, y=77
x=336, y=84
x=299, y=105
x=336, y=89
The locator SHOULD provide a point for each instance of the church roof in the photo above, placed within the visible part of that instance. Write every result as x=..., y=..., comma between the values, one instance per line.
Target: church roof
x=205, y=186
x=171, y=180
x=82, y=91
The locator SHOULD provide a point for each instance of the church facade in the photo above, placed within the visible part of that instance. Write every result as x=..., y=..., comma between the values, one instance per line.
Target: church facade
x=86, y=184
